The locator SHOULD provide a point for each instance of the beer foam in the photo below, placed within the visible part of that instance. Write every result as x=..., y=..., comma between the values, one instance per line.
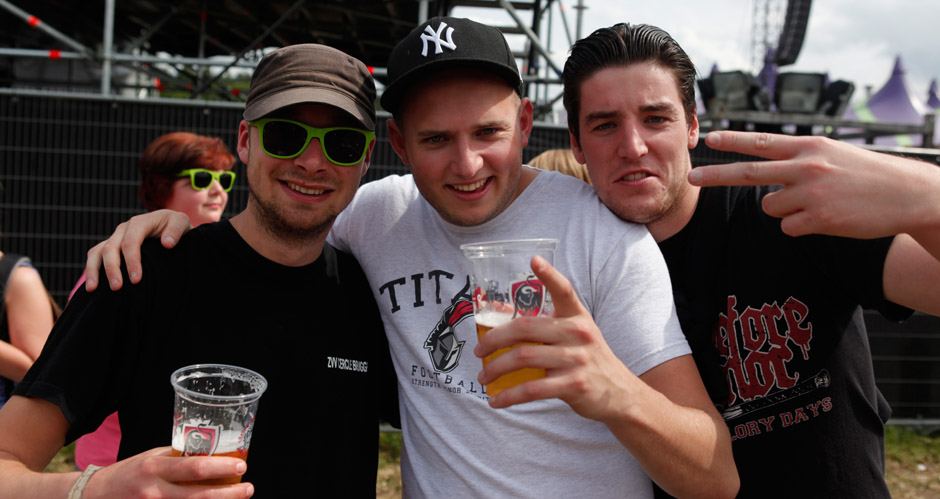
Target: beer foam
x=490, y=318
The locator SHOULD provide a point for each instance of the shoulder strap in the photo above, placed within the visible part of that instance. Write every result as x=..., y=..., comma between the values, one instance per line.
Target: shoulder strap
x=7, y=264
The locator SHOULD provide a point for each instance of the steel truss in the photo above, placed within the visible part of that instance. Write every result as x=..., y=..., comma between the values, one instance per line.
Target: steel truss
x=540, y=72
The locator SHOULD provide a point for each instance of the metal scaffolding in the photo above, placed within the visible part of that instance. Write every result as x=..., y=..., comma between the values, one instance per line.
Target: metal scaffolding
x=113, y=56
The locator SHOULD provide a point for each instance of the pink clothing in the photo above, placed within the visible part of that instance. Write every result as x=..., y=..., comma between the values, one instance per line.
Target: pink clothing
x=99, y=447
x=81, y=281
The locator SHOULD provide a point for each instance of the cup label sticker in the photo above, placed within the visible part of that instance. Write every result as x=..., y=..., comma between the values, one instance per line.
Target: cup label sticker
x=200, y=440
x=528, y=297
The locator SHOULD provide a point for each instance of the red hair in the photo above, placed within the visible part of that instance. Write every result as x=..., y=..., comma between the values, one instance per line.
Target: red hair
x=172, y=153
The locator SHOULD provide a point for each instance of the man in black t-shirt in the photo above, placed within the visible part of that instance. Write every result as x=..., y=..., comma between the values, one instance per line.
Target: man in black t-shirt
x=263, y=291
x=774, y=321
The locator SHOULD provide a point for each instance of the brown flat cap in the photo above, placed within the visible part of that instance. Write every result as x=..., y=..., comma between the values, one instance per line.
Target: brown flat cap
x=311, y=73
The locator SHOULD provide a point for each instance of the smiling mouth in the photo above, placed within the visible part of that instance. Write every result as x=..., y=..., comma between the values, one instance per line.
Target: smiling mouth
x=469, y=187
x=635, y=176
x=304, y=190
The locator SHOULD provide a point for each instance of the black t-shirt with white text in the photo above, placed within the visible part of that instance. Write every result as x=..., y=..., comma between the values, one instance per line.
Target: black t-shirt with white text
x=775, y=324
x=313, y=331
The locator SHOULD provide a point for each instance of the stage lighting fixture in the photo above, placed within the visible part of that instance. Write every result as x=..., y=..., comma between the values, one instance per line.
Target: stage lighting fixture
x=836, y=98
x=706, y=91
x=734, y=91
x=799, y=92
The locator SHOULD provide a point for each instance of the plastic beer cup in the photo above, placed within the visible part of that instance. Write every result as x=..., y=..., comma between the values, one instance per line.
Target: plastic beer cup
x=504, y=287
x=215, y=411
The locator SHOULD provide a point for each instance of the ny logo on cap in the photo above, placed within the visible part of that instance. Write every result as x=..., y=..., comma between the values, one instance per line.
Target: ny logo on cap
x=435, y=36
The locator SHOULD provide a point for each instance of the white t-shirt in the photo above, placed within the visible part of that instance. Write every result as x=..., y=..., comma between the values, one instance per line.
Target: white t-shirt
x=455, y=445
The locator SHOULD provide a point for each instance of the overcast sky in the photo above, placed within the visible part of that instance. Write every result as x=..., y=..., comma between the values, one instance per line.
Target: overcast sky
x=850, y=39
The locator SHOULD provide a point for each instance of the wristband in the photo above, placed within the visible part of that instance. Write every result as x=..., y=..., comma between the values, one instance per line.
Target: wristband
x=79, y=486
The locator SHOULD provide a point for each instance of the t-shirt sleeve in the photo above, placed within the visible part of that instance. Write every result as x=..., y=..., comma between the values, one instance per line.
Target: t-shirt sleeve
x=634, y=307
x=858, y=266
x=85, y=363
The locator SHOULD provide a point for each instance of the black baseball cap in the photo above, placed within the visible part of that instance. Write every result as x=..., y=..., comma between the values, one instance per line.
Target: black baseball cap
x=311, y=73
x=447, y=43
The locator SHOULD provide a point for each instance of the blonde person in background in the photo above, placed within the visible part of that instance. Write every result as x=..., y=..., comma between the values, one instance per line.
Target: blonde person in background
x=562, y=161
x=27, y=313
x=181, y=171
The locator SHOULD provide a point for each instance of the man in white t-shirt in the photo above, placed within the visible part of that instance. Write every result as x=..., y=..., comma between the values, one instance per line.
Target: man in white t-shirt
x=621, y=400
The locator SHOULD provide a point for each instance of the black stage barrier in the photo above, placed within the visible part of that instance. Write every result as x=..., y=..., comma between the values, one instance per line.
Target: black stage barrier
x=68, y=166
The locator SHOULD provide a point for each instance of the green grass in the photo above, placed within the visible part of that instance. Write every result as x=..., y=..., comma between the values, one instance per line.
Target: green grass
x=912, y=457
x=910, y=444
x=388, y=481
x=389, y=448
x=63, y=461
x=912, y=462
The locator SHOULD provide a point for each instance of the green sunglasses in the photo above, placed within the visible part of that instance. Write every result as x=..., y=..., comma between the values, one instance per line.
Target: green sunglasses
x=286, y=139
x=201, y=178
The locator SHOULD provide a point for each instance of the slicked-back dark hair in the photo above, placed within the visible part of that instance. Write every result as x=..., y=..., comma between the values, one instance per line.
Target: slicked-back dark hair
x=622, y=45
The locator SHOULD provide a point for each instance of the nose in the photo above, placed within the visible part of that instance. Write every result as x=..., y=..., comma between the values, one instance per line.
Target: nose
x=466, y=161
x=312, y=159
x=215, y=188
x=632, y=143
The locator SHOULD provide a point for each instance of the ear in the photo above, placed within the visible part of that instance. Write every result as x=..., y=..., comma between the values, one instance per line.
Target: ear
x=525, y=120
x=576, y=148
x=244, y=141
x=693, y=132
x=397, y=140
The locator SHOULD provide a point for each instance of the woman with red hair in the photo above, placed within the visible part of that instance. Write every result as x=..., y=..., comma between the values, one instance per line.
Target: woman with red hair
x=184, y=172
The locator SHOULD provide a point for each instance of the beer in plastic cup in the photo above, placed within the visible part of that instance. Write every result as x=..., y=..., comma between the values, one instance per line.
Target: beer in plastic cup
x=215, y=412
x=504, y=288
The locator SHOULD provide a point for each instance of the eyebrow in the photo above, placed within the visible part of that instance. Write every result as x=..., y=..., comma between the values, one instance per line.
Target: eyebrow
x=649, y=108
x=659, y=107
x=495, y=123
x=430, y=133
x=600, y=115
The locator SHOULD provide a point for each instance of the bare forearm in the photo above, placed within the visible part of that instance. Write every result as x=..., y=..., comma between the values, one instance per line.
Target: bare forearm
x=13, y=362
x=21, y=482
x=686, y=451
x=929, y=239
x=924, y=214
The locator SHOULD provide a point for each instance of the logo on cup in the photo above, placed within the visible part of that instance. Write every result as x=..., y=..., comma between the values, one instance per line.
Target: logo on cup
x=200, y=440
x=528, y=297
x=479, y=298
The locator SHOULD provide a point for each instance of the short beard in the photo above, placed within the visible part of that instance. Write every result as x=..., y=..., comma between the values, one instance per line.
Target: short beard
x=670, y=205
x=273, y=221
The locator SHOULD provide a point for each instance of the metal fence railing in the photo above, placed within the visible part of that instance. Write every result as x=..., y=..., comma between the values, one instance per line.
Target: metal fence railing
x=68, y=165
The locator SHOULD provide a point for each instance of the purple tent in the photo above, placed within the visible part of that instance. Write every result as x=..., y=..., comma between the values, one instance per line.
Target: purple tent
x=932, y=99
x=893, y=103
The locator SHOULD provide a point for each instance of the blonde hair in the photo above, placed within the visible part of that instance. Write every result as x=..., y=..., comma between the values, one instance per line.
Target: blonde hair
x=562, y=161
